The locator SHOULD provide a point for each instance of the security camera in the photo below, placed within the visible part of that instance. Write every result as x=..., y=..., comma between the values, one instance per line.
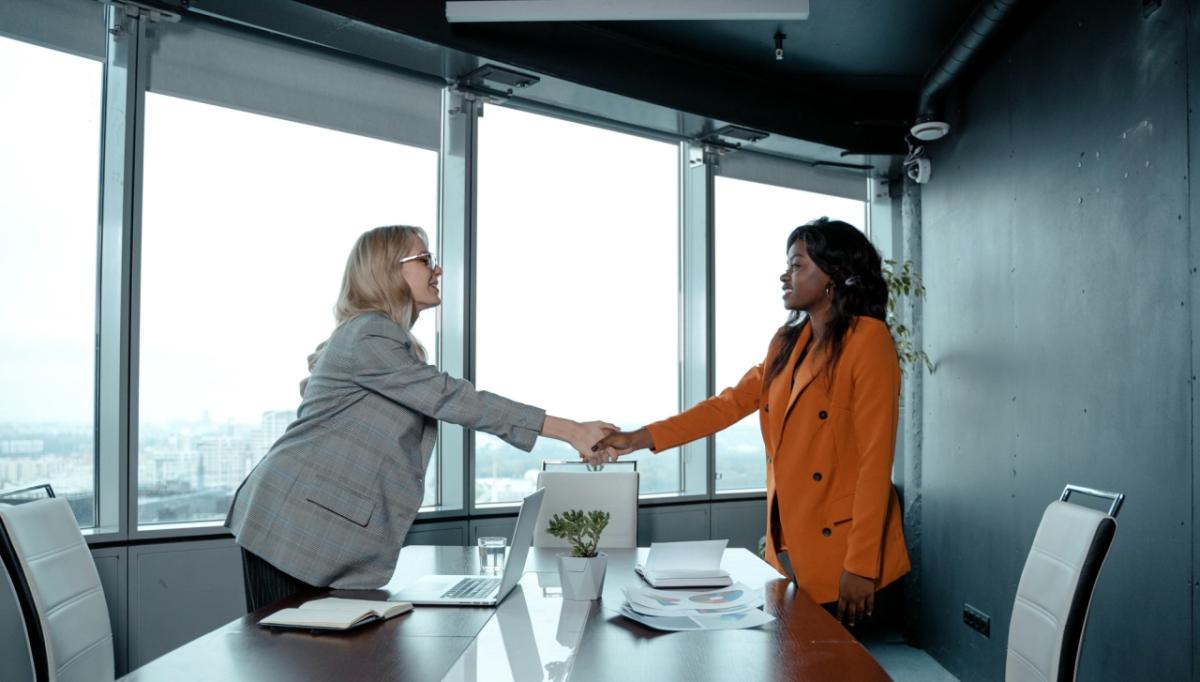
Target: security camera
x=919, y=171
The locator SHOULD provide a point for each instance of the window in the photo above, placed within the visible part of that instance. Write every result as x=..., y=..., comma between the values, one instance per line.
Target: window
x=753, y=221
x=49, y=194
x=577, y=287
x=246, y=224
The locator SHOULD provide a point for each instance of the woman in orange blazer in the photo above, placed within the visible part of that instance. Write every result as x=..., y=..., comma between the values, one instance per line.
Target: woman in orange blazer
x=828, y=397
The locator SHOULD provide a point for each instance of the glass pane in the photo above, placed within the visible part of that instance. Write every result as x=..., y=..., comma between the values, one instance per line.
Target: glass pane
x=246, y=224
x=578, y=287
x=49, y=194
x=753, y=221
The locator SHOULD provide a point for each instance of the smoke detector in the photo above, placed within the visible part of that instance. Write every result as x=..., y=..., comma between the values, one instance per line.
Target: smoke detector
x=927, y=131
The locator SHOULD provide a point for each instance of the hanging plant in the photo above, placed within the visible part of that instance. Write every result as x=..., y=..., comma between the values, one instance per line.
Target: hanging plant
x=903, y=281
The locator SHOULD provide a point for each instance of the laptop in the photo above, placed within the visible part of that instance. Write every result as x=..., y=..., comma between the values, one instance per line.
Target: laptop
x=480, y=590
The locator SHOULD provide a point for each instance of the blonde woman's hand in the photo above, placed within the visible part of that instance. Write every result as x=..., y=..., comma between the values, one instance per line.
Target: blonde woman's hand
x=581, y=435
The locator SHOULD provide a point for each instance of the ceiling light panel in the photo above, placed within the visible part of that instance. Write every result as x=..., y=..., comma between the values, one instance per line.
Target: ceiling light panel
x=490, y=11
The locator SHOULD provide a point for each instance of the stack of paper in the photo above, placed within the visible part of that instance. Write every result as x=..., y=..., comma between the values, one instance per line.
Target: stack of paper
x=685, y=564
x=736, y=606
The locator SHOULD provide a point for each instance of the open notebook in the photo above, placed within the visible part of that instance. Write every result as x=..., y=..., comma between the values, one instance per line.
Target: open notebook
x=334, y=613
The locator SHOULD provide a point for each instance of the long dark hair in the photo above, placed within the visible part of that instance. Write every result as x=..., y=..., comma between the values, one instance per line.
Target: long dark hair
x=857, y=288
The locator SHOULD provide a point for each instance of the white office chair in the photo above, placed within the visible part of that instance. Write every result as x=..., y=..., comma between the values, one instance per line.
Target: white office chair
x=613, y=492
x=1055, y=591
x=58, y=589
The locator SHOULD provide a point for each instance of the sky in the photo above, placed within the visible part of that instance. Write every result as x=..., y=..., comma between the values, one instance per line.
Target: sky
x=49, y=189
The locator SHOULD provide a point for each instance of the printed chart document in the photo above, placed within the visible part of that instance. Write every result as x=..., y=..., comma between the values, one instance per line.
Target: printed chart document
x=750, y=618
x=334, y=613
x=736, y=606
x=685, y=564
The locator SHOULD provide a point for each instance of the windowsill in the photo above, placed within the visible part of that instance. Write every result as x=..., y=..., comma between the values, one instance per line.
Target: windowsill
x=741, y=492
x=217, y=530
x=654, y=499
x=198, y=526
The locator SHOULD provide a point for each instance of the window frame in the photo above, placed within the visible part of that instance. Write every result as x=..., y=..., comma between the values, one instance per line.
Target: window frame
x=772, y=171
x=80, y=29
x=127, y=65
x=693, y=460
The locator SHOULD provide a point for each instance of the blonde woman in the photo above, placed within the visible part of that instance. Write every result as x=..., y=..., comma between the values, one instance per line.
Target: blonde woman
x=331, y=502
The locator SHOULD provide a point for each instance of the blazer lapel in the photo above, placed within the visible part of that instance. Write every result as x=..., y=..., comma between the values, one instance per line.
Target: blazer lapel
x=783, y=391
x=804, y=377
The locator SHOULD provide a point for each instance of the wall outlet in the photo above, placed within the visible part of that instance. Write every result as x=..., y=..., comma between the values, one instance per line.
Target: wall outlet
x=977, y=620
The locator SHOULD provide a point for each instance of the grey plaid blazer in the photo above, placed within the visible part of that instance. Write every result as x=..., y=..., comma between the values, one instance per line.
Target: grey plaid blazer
x=331, y=502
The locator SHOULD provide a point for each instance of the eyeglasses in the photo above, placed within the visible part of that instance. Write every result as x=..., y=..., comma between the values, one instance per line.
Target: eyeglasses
x=429, y=258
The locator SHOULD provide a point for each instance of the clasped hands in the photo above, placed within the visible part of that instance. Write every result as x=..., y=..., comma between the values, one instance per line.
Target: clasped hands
x=601, y=443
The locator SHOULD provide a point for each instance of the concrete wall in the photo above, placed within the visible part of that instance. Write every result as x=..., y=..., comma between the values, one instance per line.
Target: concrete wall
x=1058, y=257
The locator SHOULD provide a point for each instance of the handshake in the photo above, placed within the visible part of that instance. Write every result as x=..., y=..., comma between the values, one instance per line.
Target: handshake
x=599, y=442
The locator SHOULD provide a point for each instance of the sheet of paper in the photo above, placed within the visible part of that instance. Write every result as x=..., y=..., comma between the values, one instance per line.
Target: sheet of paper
x=748, y=618
x=693, y=557
x=736, y=596
x=715, y=610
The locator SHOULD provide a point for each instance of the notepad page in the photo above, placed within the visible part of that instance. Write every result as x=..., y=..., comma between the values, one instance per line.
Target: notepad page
x=315, y=618
x=355, y=606
x=691, y=557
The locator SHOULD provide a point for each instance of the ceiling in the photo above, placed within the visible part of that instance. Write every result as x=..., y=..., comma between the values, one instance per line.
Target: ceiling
x=844, y=95
x=849, y=79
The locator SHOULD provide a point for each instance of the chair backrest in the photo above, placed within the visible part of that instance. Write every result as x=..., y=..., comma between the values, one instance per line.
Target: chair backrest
x=613, y=492
x=58, y=589
x=1055, y=591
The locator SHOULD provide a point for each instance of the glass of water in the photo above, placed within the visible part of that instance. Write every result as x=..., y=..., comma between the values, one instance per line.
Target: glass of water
x=491, y=554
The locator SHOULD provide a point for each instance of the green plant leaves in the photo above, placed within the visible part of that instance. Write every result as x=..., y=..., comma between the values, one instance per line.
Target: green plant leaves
x=904, y=281
x=581, y=529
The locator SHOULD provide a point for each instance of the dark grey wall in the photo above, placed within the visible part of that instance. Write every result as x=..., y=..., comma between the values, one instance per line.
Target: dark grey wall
x=1056, y=254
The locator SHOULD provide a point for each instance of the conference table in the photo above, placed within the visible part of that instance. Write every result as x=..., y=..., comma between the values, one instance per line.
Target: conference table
x=535, y=634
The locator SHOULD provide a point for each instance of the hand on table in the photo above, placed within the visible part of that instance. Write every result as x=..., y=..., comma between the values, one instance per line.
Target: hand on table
x=856, y=598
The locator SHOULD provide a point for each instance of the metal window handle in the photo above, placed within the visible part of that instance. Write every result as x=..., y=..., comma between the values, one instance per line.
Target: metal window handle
x=1117, y=498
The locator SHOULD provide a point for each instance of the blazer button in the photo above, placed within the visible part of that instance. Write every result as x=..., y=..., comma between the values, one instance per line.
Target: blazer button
x=766, y=408
x=817, y=476
x=826, y=532
x=823, y=414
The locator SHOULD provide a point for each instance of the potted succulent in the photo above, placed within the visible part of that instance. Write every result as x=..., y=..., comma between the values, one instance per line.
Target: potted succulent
x=582, y=571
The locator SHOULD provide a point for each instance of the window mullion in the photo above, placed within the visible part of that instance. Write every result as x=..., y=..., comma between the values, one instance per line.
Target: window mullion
x=115, y=461
x=696, y=337
x=456, y=218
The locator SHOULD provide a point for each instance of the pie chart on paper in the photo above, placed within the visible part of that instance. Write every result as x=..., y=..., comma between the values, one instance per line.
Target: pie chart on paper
x=722, y=597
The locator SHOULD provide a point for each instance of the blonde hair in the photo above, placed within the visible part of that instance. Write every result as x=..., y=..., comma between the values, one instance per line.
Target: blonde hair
x=372, y=281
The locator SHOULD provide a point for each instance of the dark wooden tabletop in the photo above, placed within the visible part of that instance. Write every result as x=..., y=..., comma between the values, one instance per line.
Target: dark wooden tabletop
x=529, y=637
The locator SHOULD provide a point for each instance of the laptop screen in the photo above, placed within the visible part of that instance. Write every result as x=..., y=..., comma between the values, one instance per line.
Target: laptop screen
x=514, y=566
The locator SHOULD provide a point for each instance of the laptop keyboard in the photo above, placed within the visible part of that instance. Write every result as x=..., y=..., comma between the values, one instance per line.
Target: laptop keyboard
x=472, y=588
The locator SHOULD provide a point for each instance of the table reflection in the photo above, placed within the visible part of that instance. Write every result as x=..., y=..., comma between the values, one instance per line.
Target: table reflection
x=532, y=637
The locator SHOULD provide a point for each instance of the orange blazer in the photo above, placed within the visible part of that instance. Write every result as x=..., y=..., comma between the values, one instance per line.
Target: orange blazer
x=830, y=446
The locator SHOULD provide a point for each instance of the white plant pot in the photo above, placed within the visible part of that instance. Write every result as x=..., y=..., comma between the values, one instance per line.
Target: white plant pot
x=582, y=577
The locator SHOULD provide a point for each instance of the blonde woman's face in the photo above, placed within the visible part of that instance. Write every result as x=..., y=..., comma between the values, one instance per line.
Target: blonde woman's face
x=422, y=279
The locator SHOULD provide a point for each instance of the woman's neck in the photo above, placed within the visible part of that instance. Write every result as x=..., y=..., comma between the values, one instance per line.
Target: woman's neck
x=819, y=319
